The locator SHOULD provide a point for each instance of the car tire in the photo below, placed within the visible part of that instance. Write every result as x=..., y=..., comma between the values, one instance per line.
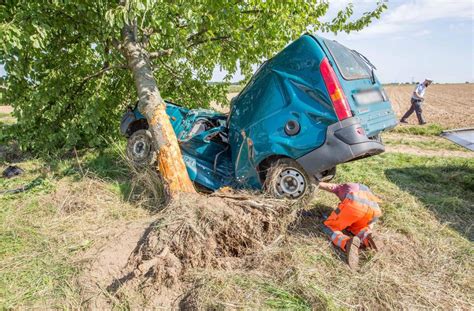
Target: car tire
x=140, y=149
x=287, y=179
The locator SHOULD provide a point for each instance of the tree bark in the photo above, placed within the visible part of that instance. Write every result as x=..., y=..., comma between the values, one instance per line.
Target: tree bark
x=169, y=158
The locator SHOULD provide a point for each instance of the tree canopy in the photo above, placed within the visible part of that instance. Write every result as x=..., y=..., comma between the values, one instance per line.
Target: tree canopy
x=68, y=81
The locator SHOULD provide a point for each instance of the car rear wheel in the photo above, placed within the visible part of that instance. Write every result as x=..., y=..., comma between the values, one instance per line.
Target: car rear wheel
x=287, y=179
x=140, y=148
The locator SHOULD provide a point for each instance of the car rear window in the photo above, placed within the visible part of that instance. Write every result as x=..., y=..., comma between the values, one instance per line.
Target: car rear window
x=350, y=65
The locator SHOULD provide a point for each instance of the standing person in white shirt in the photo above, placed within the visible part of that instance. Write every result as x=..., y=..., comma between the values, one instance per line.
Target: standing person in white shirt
x=416, y=100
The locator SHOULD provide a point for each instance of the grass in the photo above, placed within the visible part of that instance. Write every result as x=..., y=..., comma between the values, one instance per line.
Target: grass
x=34, y=267
x=32, y=264
x=283, y=299
x=424, y=130
x=44, y=231
x=422, y=142
x=427, y=227
x=442, y=187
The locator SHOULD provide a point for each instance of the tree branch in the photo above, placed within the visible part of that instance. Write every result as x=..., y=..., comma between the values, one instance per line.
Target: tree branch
x=197, y=34
x=205, y=29
x=102, y=71
x=106, y=53
x=170, y=70
x=146, y=34
x=218, y=38
x=161, y=53
x=251, y=11
x=117, y=44
x=135, y=29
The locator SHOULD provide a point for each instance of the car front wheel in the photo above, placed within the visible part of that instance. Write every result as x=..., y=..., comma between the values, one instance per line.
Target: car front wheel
x=140, y=148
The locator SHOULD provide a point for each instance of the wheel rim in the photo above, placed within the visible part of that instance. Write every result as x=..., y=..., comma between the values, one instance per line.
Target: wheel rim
x=139, y=149
x=290, y=183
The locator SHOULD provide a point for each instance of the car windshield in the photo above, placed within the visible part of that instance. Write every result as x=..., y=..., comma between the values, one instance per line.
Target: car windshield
x=350, y=64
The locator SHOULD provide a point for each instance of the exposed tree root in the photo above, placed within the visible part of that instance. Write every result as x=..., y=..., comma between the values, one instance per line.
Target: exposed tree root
x=196, y=232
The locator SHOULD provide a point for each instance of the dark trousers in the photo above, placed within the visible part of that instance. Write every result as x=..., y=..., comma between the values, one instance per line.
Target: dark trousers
x=415, y=107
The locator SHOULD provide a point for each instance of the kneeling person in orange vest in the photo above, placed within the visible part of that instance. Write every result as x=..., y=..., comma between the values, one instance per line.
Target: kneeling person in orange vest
x=357, y=213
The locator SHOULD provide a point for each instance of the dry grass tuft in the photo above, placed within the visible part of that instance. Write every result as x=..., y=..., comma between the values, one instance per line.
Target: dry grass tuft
x=90, y=193
x=147, y=188
x=146, y=185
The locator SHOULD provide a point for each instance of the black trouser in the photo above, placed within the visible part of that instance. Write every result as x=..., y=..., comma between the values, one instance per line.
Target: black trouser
x=415, y=107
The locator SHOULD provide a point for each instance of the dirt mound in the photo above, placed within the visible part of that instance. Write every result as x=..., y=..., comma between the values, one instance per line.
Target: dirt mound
x=193, y=232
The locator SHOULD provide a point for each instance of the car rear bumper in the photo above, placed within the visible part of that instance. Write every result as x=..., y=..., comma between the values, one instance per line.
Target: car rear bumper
x=345, y=141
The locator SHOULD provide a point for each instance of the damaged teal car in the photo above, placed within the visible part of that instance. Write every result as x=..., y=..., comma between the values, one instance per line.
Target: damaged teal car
x=314, y=105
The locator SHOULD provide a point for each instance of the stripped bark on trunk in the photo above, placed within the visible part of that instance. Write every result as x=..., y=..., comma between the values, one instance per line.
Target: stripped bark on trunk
x=169, y=158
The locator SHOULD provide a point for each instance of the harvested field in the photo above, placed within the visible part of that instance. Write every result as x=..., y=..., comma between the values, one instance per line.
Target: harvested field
x=6, y=109
x=450, y=105
x=5, y=115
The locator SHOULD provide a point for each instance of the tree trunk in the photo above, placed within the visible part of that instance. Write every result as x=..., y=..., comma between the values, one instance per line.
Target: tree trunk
x=151, y=105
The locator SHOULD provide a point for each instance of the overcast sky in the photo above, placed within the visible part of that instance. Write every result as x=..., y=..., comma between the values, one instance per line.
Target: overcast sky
x=412, y=40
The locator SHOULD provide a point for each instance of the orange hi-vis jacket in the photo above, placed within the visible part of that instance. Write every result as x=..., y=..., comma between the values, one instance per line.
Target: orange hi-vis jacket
x=357, y=213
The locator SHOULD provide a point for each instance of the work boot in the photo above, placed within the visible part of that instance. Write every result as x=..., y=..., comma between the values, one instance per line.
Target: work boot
x=352, y=251
x=374, y=242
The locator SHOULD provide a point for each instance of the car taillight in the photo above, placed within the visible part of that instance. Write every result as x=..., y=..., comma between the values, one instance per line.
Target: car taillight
x=339, y=100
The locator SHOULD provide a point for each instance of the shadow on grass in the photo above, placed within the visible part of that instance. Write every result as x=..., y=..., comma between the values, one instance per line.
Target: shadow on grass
x=9, y=148
x=108, y=165
x=135, y=185
x=448, y=191
x=104, y=164
x=309, y=222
